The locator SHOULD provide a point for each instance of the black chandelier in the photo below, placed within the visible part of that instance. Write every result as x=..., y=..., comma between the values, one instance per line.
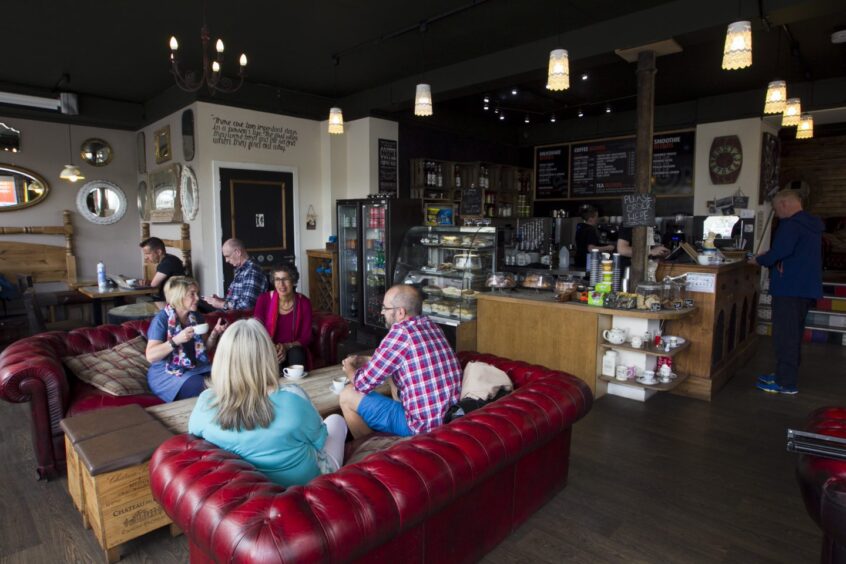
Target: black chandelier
x=211, y=77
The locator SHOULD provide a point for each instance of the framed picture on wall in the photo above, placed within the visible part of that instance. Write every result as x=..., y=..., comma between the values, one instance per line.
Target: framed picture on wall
x=162, y=145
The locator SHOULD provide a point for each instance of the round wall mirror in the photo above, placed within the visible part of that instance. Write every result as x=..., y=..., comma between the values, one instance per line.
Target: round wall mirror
x=188, y=135
x=189, y=193
x=20, y=188
x=96, y=152
x=101, y=202
x=143, y=201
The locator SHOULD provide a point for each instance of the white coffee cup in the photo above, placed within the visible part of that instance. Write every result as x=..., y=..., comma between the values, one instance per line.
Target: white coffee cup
x=648, y=376
x=201, y=329
x=637, y=342
x=294, y=371
x=339, y=383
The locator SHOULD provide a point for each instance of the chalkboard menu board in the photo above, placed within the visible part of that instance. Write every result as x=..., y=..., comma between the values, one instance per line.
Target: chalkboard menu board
x=607, y=167
x=471, y=201
x=388, y=166
x=552, y=166
x=603, y=168
x=638, y=209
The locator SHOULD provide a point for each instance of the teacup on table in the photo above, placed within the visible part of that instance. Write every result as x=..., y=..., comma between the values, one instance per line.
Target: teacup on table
x=294, y=372
x=201, y=329
x=339, y=383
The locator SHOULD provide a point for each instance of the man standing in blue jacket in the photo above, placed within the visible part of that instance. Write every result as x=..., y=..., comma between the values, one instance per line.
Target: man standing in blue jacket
x=795, y=263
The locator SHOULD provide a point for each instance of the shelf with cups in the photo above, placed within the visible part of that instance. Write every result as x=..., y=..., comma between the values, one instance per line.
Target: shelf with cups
x=650, y=350
x=658, y=386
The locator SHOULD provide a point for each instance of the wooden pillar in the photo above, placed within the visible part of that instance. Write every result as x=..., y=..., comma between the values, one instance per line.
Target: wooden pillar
x=643, y=156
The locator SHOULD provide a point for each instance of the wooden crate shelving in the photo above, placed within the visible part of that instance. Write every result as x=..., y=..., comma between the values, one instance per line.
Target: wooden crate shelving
x=323, y=280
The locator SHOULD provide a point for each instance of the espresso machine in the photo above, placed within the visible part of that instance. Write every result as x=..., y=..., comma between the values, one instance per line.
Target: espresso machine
x=676, y=230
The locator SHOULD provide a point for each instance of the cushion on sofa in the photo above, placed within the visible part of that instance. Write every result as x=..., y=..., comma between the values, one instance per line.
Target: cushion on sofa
x=119, y=371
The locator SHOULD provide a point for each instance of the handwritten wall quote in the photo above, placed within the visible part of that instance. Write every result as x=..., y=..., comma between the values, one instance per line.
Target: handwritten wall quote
x=250, y=136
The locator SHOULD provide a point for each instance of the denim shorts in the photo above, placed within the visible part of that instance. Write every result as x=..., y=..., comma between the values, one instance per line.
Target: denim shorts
x=384, y=414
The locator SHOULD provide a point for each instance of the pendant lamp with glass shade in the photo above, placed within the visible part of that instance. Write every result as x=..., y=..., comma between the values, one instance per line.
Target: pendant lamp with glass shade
x=336, y=116
x=737, y=53
x=792, y=112
x=71, y=172
x=423, y=92
x=558, y=76
x=805, y=129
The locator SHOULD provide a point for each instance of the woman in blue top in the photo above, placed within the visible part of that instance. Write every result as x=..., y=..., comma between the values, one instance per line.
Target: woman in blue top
x=177, y=353
x=275, y=428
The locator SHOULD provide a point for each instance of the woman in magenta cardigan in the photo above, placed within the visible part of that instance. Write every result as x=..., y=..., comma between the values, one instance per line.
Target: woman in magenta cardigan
x=286, y=315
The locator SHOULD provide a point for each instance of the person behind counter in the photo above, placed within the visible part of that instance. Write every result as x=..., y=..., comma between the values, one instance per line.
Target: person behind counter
x=274, y=427
x=286, y=314
x=624, y=245
x=177, y=351
x=587, y=236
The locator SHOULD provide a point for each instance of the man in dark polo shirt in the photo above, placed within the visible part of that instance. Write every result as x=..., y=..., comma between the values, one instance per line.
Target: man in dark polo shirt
x=167, y=265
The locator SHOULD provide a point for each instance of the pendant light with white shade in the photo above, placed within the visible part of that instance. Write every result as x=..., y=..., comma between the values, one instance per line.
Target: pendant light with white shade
x=805, y=129
x=776, y=99
x=558, y=75
x=423, y=92
x=71, y=172
x=792, y=112
x=336, y=116
x=737, y=53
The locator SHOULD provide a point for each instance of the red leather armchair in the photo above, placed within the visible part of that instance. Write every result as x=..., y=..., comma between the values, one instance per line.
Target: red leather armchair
x=31, y=371
x=822, y=482
x=449, y=495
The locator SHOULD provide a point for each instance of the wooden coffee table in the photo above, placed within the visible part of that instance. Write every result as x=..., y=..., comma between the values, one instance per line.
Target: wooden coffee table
x=318, y=386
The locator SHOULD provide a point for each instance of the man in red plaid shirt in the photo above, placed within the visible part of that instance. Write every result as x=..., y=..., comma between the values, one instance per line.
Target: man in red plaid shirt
x=423, y=369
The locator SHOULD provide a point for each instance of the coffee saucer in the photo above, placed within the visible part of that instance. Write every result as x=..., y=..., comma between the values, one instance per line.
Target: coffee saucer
x=295, y=379
x=640, y=380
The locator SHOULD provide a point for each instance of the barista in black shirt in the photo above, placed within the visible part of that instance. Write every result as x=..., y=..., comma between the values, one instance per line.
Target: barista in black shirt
x=167, y=265
x=587, y=236
x=624, y=246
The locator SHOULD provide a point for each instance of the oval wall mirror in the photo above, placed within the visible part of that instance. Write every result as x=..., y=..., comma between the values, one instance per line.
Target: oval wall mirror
x=189, y=193
x=163, y=194
x=188, y=135
x=20, y=188
x=96, y=152
x=101, y=202
x=143, y=201
x=141, y=152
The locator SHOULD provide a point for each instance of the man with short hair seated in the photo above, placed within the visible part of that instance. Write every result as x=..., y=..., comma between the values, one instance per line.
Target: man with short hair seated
x=418, y=360
x=167, y=265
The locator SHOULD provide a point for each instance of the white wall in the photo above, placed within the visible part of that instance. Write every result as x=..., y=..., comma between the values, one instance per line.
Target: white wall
x=45, y=151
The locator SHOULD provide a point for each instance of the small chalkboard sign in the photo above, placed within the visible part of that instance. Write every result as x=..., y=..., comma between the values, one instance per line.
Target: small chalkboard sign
x=638, y=209
x=471, y=201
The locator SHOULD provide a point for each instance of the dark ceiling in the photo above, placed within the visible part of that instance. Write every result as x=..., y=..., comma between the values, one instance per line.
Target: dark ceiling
x=116, y=56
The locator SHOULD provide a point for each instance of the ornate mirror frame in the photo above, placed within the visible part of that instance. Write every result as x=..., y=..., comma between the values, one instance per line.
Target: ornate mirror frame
x=143, y=201
x=166, y=178
x=96, y=152
x=189, y=193
x=90, y=187
x=8, y=189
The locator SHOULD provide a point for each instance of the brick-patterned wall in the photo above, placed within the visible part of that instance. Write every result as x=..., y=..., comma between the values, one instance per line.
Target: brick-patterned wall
x=821, y=162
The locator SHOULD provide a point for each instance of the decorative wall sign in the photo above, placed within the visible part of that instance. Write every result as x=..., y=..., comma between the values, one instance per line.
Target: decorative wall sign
x=471, y=201
x=162, y=144
x=388, y=167
x=551, y=171
x=252, y=136
x=725, y=159
x=770, y=161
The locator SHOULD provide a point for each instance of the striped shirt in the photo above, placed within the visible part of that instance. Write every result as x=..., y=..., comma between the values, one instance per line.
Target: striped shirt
x=424, y=368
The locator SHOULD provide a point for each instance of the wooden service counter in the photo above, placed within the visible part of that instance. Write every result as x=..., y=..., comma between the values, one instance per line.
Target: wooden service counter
x=532, y=327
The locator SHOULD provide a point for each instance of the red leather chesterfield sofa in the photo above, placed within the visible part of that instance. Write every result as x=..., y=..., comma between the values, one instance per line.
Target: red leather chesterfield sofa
x=449, y=495
x=822, y=482
x=31, y=371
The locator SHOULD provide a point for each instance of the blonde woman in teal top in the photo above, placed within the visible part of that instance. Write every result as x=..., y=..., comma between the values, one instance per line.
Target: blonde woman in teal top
x=273, y=427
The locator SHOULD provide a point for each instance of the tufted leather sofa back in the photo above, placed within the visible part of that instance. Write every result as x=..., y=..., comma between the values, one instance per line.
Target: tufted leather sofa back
x=445, y=496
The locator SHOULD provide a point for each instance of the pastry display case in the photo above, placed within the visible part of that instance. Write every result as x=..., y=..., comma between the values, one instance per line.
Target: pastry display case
x=450, y=265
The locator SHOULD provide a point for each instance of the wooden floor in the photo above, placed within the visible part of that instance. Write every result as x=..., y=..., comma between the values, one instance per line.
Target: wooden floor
x=669, y=480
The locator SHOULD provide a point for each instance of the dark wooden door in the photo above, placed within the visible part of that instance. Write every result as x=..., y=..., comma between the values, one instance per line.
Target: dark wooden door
x=257, y=207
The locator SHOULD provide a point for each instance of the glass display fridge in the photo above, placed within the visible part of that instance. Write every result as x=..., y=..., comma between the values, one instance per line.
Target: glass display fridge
x=369, y=235
x=451, y=266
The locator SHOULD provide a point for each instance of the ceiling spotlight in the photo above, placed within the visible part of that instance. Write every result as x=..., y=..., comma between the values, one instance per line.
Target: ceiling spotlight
x=526, y=119
x=552, y=119
x=486, y=107
x=513, y=91
x=496, y=110
x=581, y=113
x=501, y=117
x=607, y=109
x=584, y=76
x=486, y=100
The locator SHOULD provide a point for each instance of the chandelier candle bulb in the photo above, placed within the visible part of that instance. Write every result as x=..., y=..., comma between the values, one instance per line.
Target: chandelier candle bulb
x=215, y=67
x=243, y=60
x=174, y=44
x=219, y=46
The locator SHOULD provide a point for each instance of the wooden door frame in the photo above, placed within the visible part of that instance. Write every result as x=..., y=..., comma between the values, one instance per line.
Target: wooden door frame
x=218, y=223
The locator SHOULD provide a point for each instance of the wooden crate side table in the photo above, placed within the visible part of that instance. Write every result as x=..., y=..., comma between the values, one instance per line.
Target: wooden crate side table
x=323, y=280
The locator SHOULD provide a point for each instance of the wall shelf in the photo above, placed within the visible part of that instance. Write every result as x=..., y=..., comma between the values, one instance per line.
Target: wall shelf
x=650, y=350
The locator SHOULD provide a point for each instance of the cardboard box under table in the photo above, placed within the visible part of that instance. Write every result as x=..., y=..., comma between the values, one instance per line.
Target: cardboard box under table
x=108, y=458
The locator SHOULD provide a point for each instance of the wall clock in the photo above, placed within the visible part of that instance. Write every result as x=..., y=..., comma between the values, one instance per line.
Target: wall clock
x=725, y=159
